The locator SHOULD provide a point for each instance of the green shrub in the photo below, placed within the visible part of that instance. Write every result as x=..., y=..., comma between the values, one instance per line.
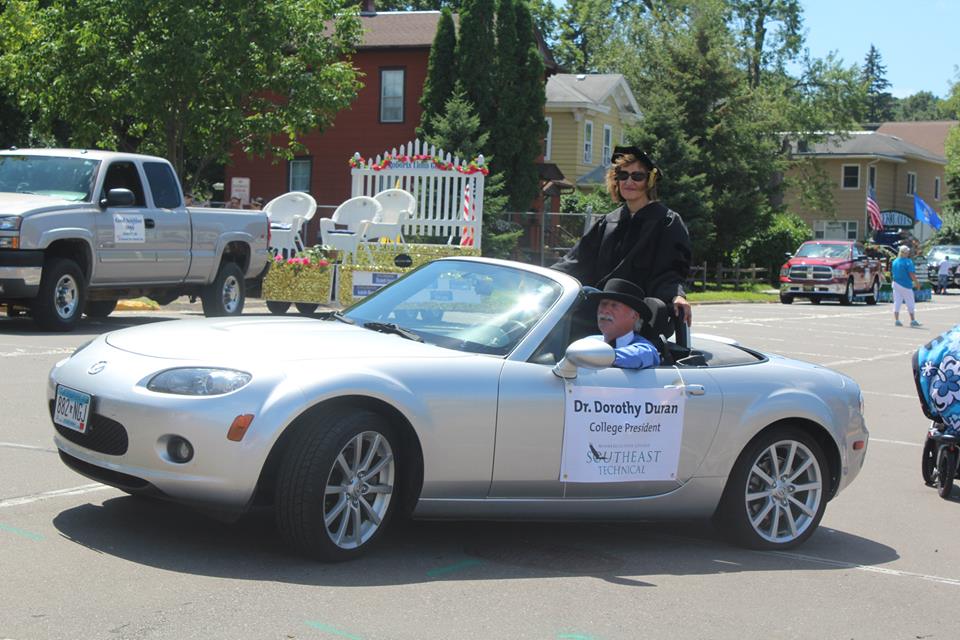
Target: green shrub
x=785, y=233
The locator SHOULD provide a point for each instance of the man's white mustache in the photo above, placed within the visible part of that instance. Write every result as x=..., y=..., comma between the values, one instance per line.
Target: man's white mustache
x=603, y=316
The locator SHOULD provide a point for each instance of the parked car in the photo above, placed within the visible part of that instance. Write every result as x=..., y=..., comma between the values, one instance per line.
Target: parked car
x=80, y=230
x=462, y=411
x=933, y=258
x=825, y=269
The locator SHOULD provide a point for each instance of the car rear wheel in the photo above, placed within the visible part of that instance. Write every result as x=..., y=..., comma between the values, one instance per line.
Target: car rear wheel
x=335, y=492
x=777, y=491
x=60, y=301
x=874, y=294
x=946, y=470
x=814, y=300
x=225, y=295
x=99, y=308
x=786, y=298
x=847, y=297
x=277, y=307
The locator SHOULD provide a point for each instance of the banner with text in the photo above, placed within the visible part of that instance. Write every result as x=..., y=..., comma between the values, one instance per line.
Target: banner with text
x=615, y=434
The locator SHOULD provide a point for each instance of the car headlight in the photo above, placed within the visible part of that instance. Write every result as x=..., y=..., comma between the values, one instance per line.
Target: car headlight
x=10, y=223
x=839, y=273
x=199, y=381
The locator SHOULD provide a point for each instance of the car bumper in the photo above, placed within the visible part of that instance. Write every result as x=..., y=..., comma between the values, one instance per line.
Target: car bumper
x=20, y=273
x=813, y=288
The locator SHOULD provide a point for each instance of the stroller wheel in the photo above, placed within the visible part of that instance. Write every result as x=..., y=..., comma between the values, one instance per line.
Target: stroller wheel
x=928, y=462
x=946, y=470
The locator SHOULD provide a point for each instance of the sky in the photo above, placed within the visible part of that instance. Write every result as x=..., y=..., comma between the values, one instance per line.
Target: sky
x=917, y=39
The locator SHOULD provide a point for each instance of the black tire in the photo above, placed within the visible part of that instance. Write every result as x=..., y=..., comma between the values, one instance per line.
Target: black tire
x=277, y=307
x=928, y=462
x=814, y=300
x=946, y=471
x=874, y=294
x=786, y=298
x=846, y=298
x=62, y=296
x=310, y=466
x=226, y=295
x=777, y=508
x=306, y=308
x=99, y=308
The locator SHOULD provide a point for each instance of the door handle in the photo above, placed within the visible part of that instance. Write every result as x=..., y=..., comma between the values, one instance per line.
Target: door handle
x=149, y=223
x=689, y=389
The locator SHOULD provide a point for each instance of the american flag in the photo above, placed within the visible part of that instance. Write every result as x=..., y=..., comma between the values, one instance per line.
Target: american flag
x=873, y=209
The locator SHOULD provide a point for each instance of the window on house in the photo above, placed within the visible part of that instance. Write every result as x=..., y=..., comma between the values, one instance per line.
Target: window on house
x=936, y=188
x=588, y=142
x=299, y=171
x=548, y=139
x=391, y=95
x=872, y=177
x=835, y=229
x=851, y=176
x=607, y=142
x=911, y=183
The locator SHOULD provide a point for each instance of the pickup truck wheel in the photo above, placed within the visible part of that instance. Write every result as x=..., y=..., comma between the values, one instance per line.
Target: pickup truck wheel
x=225, y=295
x=99, y=308
x=786, y=298
x=874, y=294
x=62, y=295
x=277, y=307
x=814, y=300
x=847, y=298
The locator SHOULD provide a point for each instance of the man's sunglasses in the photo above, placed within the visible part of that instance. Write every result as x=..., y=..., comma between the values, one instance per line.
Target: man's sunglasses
x=636, y=176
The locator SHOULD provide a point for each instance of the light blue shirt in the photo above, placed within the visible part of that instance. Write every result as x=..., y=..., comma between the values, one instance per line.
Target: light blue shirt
x=902, y=268
x=633, y=351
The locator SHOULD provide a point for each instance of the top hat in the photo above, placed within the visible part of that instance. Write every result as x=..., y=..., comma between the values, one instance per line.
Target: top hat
x=623, y=291
x=637, y=153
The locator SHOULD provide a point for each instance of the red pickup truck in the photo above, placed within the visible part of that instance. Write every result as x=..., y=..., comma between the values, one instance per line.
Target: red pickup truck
x=830, y=269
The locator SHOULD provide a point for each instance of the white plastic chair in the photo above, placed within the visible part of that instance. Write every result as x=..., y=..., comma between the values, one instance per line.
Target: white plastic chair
x=288, y=213
x=346, y=228
x=397, y=205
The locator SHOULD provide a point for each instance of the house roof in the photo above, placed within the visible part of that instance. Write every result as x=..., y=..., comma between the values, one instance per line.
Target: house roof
x=399, y=29
x=931, y=135
x=869, y=144
x=591, y=90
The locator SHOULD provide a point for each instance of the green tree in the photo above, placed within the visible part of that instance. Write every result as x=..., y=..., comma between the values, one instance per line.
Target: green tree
x=183, y=79
x=765, y=249
x=475, y=50
x=769, y=33
x=922, y=105
x=879, y=104
x=441, y=72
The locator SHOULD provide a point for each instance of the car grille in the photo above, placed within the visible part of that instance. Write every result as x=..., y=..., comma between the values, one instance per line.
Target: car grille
x=103, y=435
x=811, y=272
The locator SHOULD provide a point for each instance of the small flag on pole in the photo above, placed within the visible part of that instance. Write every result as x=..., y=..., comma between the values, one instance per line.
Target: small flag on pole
x=925, y=213
x=873, y=209
x=466, y=235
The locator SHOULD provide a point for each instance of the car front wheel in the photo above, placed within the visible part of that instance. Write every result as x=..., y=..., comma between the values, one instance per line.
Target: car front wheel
x=62, y=296
x=786, y=298
x=874, y=294
x=776, y=493
x=847, y=297
x=335, y=492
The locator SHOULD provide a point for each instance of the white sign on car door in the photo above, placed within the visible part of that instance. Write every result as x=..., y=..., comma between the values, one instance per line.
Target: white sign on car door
x=621, y=435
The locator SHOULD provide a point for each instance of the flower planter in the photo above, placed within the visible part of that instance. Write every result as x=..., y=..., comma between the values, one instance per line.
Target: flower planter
x=298, y=283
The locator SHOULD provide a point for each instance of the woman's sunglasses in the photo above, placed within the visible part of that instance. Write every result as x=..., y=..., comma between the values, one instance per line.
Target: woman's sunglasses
x=636, y=176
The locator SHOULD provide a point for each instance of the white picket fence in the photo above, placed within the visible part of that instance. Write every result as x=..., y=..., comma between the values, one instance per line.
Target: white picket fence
x=439, y=192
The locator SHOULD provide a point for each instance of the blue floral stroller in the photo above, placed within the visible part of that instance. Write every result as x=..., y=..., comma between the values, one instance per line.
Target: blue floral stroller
x=936, y=372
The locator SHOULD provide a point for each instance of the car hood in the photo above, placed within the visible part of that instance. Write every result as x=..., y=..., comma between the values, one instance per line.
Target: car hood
x=22, y=203
x=825, y=261
x=227, y=340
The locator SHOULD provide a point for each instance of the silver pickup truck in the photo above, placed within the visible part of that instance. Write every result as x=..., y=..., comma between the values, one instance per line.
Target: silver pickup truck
x=80, y=230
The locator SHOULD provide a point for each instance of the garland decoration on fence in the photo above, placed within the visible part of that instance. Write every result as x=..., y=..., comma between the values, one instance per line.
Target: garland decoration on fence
x=477, y=165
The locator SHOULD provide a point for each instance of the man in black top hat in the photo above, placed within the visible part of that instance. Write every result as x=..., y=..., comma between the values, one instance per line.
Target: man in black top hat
x=620, y=309
x=643, y=241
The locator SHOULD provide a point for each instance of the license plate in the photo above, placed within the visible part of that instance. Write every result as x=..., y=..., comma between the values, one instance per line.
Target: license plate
x=808, y=287
x=71, y=409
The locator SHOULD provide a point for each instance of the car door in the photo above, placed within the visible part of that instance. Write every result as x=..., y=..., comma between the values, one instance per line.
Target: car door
x=859, y=268
x=124, y=252
x=530, y=425
x=170, y=232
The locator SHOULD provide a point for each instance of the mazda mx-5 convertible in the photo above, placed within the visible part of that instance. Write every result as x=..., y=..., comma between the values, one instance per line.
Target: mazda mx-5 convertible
x=470, y=388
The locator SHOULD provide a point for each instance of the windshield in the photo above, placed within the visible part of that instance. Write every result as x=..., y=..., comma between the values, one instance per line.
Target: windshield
x=938, y=253
x=66, y=178
x=818, y=250
x=468, y=306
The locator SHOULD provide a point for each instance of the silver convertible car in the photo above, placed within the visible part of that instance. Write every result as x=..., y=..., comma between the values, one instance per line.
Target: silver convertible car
x=470, y=388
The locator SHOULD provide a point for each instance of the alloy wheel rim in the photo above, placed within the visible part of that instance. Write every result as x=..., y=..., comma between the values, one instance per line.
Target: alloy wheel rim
x=65, y=298
x=359, y=489
x=783, y=492
x=849, y=292
x=231, y=294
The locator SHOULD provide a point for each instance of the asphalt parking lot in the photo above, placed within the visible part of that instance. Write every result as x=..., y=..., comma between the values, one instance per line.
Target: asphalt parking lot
x=84, y=561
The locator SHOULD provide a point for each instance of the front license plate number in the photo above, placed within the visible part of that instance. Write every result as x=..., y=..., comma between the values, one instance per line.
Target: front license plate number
x=71, y=409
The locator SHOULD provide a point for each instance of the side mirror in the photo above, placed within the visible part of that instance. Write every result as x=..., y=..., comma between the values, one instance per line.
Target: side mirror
x=587, y=352
x=118, y=198
x=787, y=255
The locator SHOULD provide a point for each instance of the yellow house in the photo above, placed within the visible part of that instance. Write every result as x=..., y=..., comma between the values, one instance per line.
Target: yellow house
x=891, y=167
x=586, y=116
